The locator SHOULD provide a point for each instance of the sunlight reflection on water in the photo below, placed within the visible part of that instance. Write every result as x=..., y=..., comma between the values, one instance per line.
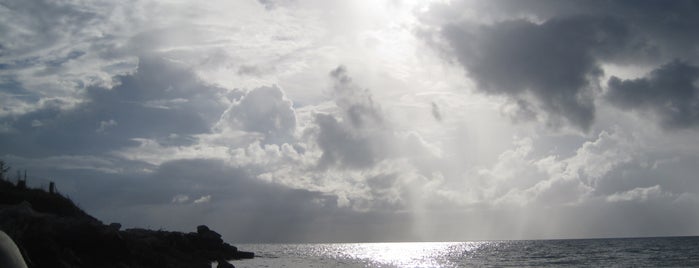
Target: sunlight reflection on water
x=424, y=254
x=618, y=252
x=402, y=254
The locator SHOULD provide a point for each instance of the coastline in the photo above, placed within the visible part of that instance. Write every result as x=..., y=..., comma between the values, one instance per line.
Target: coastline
x=51, y=231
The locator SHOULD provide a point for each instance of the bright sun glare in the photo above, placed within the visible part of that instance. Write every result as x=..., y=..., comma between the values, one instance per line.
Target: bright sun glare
x=404, y=254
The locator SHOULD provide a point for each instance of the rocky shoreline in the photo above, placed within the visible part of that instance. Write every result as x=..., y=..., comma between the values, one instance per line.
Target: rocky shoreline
x=50, y=231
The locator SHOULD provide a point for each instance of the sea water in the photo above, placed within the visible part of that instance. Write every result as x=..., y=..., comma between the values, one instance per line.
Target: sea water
x=620, y=252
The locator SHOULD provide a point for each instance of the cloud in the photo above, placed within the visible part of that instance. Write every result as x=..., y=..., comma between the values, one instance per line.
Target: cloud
x=180, y=198
x=521, y=178
x=203, y=199
x=360, y=136
x=549, y=55
x=104, y=125
x=357, y=104
x=342, y=148
x=637, y=194
x=436, y=113
x=268, y=4
x=53, y=50
x=519, y=111
x=228, y=195
x=175, y=114
x=670, y=92
x=110, y=119
x=58, y=24
x=659, y=36
x=350, y=150
x=264, y=110
x=552, y=64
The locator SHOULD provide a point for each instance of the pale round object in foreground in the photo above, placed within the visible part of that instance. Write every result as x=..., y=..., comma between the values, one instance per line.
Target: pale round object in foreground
x=10, y=257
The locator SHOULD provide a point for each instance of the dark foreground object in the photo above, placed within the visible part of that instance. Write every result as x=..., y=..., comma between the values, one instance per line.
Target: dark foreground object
x=52, y=232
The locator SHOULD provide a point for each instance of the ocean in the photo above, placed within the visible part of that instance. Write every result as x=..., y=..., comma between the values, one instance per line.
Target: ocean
x=614, y=252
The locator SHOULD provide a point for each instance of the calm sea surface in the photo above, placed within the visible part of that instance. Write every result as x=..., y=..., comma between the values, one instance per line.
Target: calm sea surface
x=625, y=252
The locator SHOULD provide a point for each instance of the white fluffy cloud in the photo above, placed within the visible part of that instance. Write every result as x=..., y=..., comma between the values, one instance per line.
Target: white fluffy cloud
x=640, y=194
x=265, y=111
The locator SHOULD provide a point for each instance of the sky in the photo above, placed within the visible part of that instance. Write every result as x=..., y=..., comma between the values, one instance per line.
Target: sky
x=360, y=121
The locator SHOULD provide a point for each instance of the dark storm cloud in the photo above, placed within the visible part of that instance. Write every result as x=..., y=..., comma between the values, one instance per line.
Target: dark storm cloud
x=668, y=26
x=671, y=92
x=553, y=62
x=359, y=137
x=160, y=101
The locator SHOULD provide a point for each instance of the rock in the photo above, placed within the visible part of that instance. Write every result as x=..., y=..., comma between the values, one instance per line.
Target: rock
x=208, y=239
x=115, y=226
x=208, y=235
x=244, y=255
x=203, y=229
x=224, y=264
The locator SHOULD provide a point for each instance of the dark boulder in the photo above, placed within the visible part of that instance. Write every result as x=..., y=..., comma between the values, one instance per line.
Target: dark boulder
x=244, y=255
x=224, y=264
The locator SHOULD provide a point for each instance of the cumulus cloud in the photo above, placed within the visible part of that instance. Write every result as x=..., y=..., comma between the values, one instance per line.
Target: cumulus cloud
x=522, y=179
x=350, y=150
x=263, y=110
x=670, y=92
